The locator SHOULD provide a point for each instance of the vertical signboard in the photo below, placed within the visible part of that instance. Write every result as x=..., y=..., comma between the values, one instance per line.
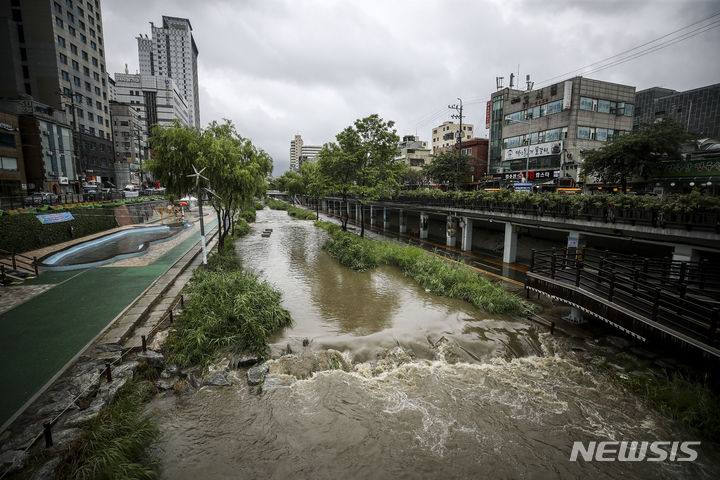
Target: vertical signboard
x=487, y=115
x=567, y=94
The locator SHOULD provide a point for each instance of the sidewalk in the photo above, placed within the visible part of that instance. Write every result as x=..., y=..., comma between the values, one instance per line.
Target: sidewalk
x=41, y=335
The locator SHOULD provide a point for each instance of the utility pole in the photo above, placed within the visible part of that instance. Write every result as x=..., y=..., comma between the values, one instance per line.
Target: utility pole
x=459, y=115
x=76, y=137
x=198, y=176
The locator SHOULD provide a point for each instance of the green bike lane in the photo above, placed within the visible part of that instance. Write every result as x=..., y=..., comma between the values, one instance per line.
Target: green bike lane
x=40, y=336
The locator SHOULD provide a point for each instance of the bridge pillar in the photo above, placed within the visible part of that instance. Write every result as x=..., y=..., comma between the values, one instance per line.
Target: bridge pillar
x=424, y=225
x=466, y=239
x=357, y=211
x=685, y=253
x=349, y=210
x=386, y=219
x=323, y=205
x=576, y=242
x=372, y=215
x=403, y=221
x=510, y=247
x=450, y=231
x=576, y=316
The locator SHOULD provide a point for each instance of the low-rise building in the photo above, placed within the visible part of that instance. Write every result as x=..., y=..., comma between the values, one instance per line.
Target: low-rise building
x=539, y=135
x=130, y=137
x=445, y=135
x=414, y=152
x=13, y=182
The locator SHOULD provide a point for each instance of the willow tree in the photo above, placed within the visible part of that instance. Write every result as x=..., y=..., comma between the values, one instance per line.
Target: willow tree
x=235, y=169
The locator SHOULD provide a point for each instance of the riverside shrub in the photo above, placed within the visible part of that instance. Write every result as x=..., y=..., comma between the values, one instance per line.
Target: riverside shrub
x=228, y=310
x=432, y=273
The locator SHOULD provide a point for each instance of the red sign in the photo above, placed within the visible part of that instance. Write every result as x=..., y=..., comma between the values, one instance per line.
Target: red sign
x=487, y=115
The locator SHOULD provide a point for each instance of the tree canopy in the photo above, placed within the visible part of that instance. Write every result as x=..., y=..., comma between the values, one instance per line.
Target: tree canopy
x=637, y=154
x=362, y=162
x=235, y=169
x=292, y=183
x=447, y=168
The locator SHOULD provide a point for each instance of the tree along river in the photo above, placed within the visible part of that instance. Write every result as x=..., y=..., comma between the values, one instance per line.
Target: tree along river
x=434, y=388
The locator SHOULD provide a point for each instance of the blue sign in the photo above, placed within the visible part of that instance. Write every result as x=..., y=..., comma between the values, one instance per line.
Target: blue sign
x=522, y=187
x=55, y=217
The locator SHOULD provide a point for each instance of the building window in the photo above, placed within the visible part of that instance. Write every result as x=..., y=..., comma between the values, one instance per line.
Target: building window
x=84, y=55
x=70, y=17
x=586, y=103
x=81, y=25
x=63, y=58
x=80, y=112
x=75, y=65
x=90, y=116
x=584, y=133
x=83, y=38
x=88, y=87
x=86, y=71
x=93, y=45
x=65, y=75
x=7, y=140
x=58, y=22
x=76, y=81
x=8, y=163
x=58, y=8
x=94, y=61
x=71, y=30
x=61, y=41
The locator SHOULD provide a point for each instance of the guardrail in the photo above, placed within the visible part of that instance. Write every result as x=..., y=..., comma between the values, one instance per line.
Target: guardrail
x=607, y=214
x=15, y=262
x=651, y=300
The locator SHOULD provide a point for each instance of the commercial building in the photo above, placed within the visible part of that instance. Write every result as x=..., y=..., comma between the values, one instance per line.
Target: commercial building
x=53, y=55
x=445, y=135
x=414, y=152
x=539, y=135
x=171, y=52
x=130, y=134
x=299, y=153
x=698, y=110
x=12, y=166
x=477, y=150
x=157, y=99
x=48, y=147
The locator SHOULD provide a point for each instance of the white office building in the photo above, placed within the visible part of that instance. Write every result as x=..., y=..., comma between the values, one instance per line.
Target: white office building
x=171, y=52
x=157, y=99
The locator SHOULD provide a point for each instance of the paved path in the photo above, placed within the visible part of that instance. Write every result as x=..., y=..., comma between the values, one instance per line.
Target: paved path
x=41, y=335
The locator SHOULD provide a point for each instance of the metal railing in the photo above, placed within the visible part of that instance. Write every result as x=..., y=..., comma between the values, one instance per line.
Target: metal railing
x=14, y=203
x=625, y=287
x=15, y=262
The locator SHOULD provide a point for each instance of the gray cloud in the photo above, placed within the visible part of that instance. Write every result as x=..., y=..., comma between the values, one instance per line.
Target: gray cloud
x=277, y=68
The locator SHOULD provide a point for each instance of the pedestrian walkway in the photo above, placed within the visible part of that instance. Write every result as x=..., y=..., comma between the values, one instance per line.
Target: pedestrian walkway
x=40, y=336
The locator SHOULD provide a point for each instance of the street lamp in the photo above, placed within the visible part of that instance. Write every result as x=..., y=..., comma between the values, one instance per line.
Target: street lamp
x=527, y=150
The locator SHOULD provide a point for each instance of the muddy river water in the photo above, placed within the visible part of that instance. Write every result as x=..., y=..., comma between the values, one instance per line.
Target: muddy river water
x=434, y=388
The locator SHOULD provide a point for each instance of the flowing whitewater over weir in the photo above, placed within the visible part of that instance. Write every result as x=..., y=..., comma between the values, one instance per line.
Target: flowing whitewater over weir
x=426, y=387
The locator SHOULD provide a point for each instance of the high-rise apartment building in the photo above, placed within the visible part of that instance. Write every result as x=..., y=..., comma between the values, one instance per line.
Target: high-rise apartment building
x=445, y=135
x=299, y=153
x=171, y=52
x=53, y=54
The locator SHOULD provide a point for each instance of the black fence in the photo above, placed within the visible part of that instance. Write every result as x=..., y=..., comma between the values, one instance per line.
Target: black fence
x=708, y=221
x=12, y=203
x=656, y=294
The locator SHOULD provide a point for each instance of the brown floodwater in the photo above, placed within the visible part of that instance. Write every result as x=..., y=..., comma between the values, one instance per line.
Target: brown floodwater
x=431, y=388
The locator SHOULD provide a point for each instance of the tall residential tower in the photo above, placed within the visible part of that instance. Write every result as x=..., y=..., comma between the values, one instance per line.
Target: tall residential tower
x=171, y=52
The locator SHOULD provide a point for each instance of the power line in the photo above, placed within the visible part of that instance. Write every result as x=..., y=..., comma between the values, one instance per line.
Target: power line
x=599, y=64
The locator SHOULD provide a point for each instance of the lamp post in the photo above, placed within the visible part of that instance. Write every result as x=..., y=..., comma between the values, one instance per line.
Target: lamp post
x=527, y=149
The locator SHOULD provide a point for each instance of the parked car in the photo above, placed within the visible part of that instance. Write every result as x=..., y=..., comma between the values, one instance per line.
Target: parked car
x=41, y=198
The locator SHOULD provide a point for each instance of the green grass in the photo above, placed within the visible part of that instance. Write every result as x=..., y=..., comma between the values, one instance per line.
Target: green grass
x=114, y=444
x=432, y=273
x=296, y=212
x=691, y=401
x=228, y=310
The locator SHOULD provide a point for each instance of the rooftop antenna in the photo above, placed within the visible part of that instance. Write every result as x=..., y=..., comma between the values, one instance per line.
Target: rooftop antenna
x=499, y=82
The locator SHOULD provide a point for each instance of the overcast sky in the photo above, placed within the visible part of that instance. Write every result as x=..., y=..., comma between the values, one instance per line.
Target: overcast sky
x=280, y=68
